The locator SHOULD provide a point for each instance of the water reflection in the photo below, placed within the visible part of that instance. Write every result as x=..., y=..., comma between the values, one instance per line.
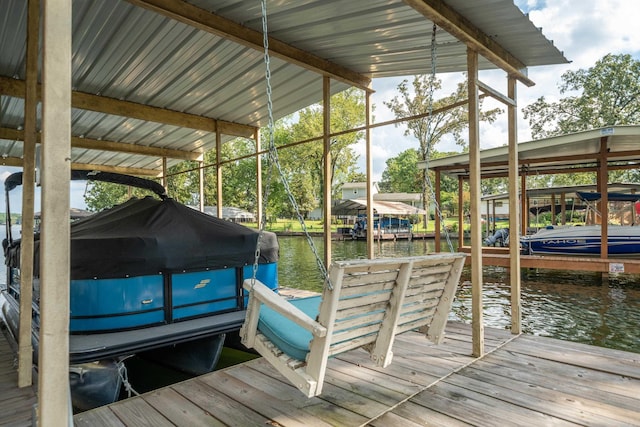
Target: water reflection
x=574, y=306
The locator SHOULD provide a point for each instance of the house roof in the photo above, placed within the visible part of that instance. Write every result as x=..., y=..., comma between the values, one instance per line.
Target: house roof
x=380, y=207
x=161, y=78
x=571, y=191
x=415, y=197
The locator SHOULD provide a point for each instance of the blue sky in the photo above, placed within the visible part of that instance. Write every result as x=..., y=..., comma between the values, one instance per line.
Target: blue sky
x=585, y=30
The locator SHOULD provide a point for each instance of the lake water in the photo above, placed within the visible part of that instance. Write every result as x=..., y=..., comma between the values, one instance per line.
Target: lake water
x=572, y=306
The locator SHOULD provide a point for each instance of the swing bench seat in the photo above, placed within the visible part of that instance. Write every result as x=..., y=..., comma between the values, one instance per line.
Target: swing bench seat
x=367, y=303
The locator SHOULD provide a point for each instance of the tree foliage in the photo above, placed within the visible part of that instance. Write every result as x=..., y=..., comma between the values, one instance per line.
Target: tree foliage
x=450, y=121
x=347, y=112
x=401, y=174
x=606, y=94
x=103, y=195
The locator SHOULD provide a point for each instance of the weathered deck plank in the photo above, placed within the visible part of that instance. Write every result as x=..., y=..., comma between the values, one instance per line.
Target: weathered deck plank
x=16, y=404
x=521, y=381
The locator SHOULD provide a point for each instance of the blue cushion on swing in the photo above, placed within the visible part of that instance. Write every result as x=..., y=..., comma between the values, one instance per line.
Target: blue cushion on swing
x=288, y=336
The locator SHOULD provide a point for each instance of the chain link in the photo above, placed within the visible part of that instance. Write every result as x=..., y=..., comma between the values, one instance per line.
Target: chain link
x=272, y=158
x=432, y=84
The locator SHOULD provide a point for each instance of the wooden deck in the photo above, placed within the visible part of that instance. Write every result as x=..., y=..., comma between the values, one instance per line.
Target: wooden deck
x=15, y=403
x=522, y=380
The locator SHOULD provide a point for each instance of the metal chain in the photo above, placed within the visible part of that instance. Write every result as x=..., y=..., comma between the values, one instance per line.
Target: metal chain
x=274, y=161
x=430, y=132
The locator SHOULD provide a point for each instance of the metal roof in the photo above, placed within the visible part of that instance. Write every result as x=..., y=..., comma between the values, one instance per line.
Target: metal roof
x=126, y=54
x=552, y=154
x=569, y=190
x=380, y=207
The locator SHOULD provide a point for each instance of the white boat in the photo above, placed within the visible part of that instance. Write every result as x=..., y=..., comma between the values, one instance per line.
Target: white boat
x=583, y=240
x=622, y=240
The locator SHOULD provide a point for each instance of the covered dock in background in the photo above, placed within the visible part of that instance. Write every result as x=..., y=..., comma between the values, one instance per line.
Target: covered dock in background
x=397, y=226
x=540, y=200
x=598, y=151
x=357, y=207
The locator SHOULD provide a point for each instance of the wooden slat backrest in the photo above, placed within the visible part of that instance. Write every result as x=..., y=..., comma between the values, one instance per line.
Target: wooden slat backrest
x=364, y=296
x=429, y=296
x=366, y=290
x=370, y=301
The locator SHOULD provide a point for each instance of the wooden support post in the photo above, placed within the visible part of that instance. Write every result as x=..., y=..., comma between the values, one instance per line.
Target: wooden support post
x=514, y=226
x=438, y=225
x=53, y=372
x=165, y=181
x=25, y=350
x=201, y=182
x=219, y=175
x=369, y=162
x=554, y=220
x=488, y=221
x=259, y=212
x=326, y=204
x=524, y=203
x=603, y=183
x=476, y=223
x=460, y=212
x=563, y=208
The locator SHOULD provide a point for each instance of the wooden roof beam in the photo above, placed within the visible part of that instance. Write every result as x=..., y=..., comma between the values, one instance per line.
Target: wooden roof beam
x=155, y=173
x=102, y=104
x=102, y=145
x=458, y=26
x=230, y=30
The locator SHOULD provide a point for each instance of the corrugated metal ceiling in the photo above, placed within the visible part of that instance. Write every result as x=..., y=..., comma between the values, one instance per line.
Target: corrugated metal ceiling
x=125, y=52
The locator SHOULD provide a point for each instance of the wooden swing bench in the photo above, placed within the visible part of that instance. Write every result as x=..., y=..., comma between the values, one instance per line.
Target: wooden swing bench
x=366, y=304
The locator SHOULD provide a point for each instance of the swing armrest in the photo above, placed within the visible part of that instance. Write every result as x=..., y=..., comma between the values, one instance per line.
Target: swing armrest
x=262, y=294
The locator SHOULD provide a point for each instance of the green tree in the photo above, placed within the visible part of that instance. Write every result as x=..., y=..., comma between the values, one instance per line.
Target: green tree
x=239, y=175
x=183, y=182
x=103, y=195
x=401, y=174
x=606, y=94
x=347, y=112
x=452, y=121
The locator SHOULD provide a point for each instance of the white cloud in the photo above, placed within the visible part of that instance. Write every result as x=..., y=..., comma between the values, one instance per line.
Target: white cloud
x=585, y=31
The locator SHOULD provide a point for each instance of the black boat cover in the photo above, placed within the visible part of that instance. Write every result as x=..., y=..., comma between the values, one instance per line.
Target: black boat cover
x=148, y=236
x=612, y=197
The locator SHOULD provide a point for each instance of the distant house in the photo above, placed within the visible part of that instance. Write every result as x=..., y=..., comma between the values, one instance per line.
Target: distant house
x=229, y=213
x=412, y=199
x=357, y=190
